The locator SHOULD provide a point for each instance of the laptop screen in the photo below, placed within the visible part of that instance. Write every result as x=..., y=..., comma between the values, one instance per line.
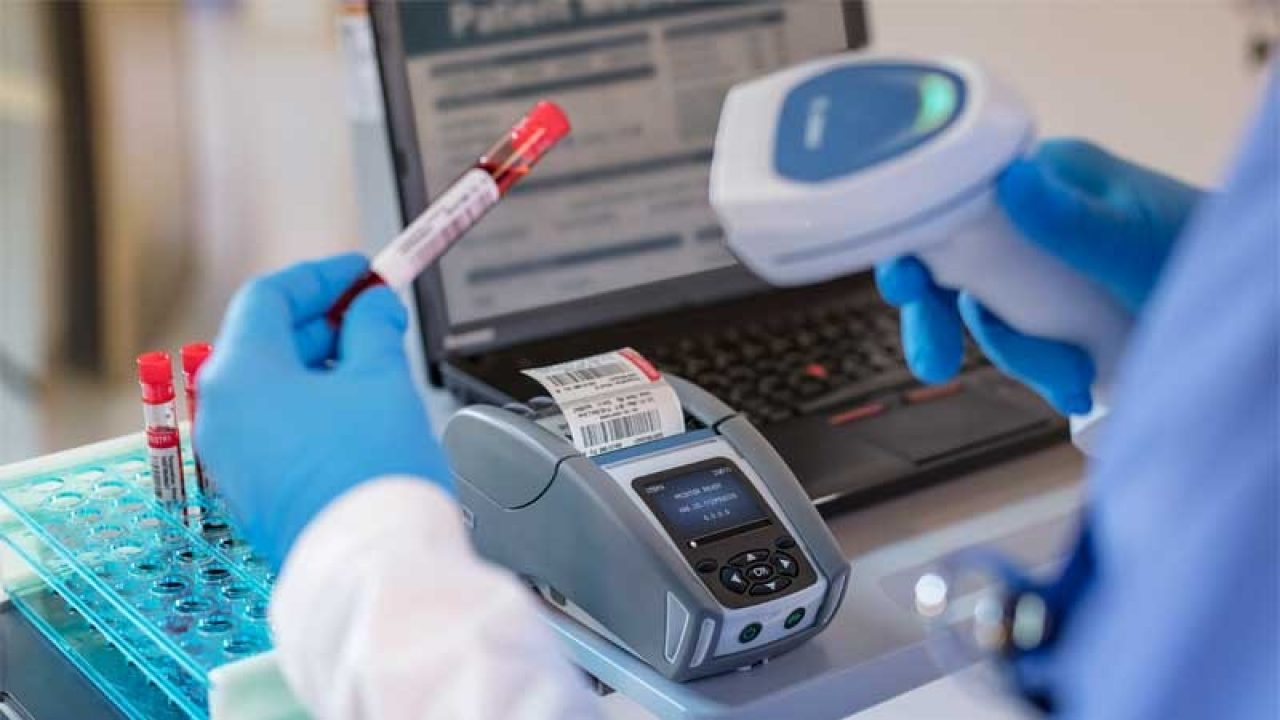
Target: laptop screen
x=617, y=214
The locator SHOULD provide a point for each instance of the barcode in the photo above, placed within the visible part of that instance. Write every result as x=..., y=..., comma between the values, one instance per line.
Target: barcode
x=621, y=428
x=459, y=225
x=470, y=208
x=458, y=216
x=569, y=377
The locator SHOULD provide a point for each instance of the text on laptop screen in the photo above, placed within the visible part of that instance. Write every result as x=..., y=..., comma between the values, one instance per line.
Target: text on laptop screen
x=623, y=201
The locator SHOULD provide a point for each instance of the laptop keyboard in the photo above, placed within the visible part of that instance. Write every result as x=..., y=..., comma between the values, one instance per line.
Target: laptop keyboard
x=798, y=363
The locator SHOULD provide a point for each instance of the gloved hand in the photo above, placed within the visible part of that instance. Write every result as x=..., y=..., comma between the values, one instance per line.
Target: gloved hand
x=1111, y=220
x=292, y=414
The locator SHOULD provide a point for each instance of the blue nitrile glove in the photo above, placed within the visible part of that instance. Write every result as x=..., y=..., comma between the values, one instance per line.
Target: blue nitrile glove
x=1113, y=221
x=292, y=415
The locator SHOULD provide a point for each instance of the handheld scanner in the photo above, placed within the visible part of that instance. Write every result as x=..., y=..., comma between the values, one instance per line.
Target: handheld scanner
x=827, y=168
x=698, y=553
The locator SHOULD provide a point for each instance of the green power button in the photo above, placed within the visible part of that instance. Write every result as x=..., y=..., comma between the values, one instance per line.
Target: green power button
x=749, y=633
x=794, y=618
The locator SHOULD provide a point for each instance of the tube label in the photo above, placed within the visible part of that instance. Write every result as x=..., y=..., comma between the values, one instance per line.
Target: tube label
x=165, y=452
x=436, y=229
x=612, y=401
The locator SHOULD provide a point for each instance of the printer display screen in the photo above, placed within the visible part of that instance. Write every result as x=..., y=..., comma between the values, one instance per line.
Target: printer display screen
x=705, y=501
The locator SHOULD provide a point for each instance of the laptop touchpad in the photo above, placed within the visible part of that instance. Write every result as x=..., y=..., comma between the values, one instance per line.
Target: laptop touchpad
x=931, y=430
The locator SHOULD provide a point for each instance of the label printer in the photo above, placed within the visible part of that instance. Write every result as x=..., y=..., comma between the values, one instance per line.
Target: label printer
x=698, y=553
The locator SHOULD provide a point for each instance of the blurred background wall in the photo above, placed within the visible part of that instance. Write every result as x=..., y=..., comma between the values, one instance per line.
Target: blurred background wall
x=28, y=225
x=155, y=154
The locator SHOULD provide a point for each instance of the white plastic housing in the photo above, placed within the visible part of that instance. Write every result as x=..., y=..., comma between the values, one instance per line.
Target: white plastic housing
x=934, y=201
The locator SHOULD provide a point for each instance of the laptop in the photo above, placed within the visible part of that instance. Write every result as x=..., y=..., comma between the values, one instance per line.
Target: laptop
x=610, y=242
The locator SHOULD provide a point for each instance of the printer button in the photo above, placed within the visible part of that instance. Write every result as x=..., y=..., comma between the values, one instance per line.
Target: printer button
x=706, y=565
x=785, y=565
x=768, y=588
x=733, y=579
x=750, y=557
x=759, y=573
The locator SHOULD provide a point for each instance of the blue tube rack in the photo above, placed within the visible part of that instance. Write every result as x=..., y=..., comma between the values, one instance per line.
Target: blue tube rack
x=143, y=602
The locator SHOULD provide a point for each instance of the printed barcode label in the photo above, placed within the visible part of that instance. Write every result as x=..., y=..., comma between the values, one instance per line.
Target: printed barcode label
x=623, y=428
x=569, y=377
x=597, y=375
x=612, y=401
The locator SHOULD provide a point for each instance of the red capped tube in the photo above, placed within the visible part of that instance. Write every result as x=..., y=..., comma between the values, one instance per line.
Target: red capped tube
x=164, y=444
x=512, y=157
x=193, y=356
x=453, y=212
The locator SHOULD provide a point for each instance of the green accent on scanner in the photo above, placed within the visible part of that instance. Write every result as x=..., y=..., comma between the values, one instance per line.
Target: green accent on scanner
x=938, y=99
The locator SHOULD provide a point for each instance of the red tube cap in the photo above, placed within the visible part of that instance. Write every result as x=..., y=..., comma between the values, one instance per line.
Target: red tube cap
x=155, y=375
x=541, y=127
x=193, y=356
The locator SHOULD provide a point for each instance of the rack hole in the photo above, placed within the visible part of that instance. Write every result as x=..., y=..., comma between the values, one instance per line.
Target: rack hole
x=107, y=533
x=47, y=485
x=256, y=611
x=240, y=645
x=109, y=489
x=65, y=500
x=236, y=591
x=146, y=568
x=192, y=606
x=214, y=574
x=214, y=625
x=168, y=586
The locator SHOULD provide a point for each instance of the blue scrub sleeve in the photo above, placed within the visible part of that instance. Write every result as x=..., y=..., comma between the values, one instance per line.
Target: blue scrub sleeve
x=1177, y=616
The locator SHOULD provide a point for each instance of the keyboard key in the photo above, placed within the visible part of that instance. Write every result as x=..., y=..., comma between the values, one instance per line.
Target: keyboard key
x=784, y=397
x=694, y=366
x=853, y=365
x=809, y=389
x=890, y=380
x=777, y=415
x=817, y=371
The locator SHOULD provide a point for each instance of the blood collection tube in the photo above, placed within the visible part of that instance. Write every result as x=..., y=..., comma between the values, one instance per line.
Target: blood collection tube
x=459, y=207
x=193, y=356
x=155, y=375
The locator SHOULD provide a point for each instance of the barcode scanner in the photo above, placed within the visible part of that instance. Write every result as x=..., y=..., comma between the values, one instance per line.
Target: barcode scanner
x=826, y=168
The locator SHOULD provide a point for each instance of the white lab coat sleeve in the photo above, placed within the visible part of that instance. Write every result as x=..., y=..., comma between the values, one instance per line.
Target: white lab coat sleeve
x=383, y=610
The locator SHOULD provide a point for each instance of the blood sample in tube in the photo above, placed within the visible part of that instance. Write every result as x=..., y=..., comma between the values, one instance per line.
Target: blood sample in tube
x=164, y=446
x=193, y=356
x=459, y=207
